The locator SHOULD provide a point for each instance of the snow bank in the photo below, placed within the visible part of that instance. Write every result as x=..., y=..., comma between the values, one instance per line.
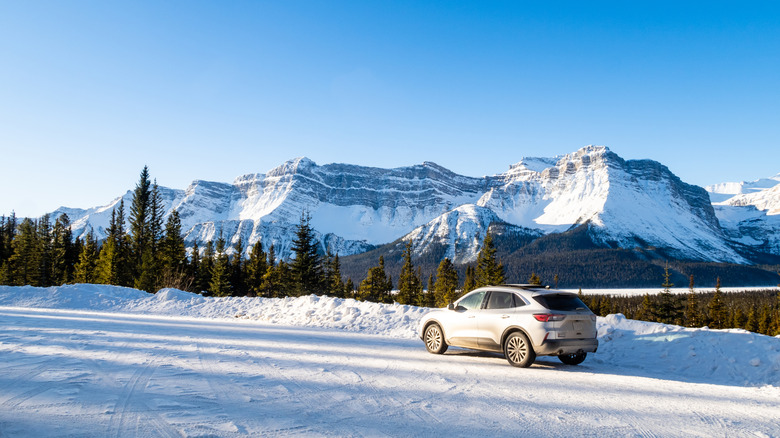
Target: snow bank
x=728, y=357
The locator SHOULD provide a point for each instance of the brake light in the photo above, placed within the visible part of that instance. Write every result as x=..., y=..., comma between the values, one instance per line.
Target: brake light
x=548, y=317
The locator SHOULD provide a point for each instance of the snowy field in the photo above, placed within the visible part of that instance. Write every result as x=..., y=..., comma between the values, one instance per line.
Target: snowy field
x=89, y=360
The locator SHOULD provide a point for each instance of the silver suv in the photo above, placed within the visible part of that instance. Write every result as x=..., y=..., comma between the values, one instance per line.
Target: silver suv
x=521, y=321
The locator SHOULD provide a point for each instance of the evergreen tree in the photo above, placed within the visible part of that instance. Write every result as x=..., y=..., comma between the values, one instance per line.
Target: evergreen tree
x=489, y=271
x=376, y=286
x=667, y=310
x=63, y=259
x=469, y=283
x=220, y=272
x=256, y=267
x=446, y=283
x=140, y=214
x=88, y=257
x=349, y=288
x=173, y=255
x=409, y=285
x=534, y=279
x=206, y=266
x=334, y=283
x=717, y=311
x=25, y=260
x=646, y=311
x=692, y=317
x=555, y=280
x=193, y=269
x=237, y=277
x=45, y=249
x=306, y=267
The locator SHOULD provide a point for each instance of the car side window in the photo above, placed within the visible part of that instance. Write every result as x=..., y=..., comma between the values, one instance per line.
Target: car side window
x=502, y=300
x=473, y=301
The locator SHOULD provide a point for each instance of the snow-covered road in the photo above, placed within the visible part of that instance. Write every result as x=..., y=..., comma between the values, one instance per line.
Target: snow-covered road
x=80, y=373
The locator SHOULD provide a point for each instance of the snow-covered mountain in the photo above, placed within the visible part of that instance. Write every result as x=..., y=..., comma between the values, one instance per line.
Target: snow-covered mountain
x=753, y=218
x=724, y=191
x=634, y=203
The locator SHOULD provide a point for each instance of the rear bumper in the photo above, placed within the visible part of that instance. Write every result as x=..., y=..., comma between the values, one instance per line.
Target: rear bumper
x=567, y=346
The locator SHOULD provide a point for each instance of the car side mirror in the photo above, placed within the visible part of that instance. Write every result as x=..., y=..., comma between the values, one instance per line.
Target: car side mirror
x=451, y=306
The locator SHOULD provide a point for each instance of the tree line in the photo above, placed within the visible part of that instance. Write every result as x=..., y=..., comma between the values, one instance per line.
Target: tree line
x=756, y=311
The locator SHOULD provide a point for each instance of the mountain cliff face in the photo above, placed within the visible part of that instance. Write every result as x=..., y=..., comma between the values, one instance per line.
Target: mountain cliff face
x=627, y=204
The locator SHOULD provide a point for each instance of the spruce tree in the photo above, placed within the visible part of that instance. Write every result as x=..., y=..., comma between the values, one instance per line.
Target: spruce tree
x=45, y=250
x=334, y=283
x=717, y=311
x=220, y=272
x=692, y=317
x=446, y=283
x=88, y=257
x=206, y=266
x=489, y=271
x=409, y=284
x=534, y=279
x=63, y=259
x=376, y=286
x=469, y=283
x=237, y=277
x=140, y=214
x=306, y=267
x=173, y=255
x=667, y=311
x=24, y=262
x=256, y=267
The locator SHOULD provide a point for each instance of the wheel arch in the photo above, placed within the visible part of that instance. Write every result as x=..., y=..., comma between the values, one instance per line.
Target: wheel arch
x=514, y=329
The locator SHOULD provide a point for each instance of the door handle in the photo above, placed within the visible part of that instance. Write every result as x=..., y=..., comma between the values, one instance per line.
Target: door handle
x=504, y=316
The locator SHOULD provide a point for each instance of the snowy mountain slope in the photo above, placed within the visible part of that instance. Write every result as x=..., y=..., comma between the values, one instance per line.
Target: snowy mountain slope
x=461, y=231
x=628, y=203
x=635, y=203
x=723, y=191
x=753, y=218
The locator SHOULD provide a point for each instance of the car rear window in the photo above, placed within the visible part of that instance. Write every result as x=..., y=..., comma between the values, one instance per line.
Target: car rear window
x=562, y=302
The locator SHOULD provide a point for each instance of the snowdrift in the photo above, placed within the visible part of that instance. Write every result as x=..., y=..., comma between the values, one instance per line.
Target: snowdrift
x=727, y=357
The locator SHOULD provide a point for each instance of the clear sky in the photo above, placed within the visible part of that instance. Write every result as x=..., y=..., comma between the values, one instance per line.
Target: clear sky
x=91, y=91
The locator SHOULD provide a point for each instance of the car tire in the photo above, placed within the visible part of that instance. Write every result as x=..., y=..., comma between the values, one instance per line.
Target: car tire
x=434, y=339
x=518, y=350
x=573, y=358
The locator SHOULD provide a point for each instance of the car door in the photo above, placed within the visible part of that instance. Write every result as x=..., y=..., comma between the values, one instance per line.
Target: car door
x=461, y=326
x=500, y=307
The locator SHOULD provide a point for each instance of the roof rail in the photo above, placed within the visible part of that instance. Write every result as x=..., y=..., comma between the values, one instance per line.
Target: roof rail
x=526, y=286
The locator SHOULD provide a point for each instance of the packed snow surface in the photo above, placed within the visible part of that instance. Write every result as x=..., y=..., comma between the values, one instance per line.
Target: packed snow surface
x=89, y=360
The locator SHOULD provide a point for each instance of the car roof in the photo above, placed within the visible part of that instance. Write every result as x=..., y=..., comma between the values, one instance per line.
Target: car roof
x=535, y=288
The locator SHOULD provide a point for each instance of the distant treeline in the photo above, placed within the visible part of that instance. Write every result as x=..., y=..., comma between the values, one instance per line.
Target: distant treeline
x=756, y=311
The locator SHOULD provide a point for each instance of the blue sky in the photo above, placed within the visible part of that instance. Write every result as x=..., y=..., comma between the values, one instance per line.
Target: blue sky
x=90, y=92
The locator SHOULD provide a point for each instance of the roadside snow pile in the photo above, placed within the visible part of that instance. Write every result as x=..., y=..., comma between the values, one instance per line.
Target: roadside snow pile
x=728, y=357
x=393, y=320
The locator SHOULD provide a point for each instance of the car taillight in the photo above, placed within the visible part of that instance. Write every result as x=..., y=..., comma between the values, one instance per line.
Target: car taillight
x=548, y=317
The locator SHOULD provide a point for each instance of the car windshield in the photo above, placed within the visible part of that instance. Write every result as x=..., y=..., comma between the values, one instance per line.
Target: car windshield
x=561, y=302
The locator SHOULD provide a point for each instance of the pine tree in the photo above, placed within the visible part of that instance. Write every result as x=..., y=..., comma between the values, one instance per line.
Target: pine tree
x=446, y=283
x=646, y=311
x=193, y=269
x=173, y=255
x=409, y=285
x=469, y=283
x=88, y=257
x=45, y=249
x=376, y=286
x=237, y=278
x=555, y=280
x=692, y=318
x=256, y=267
x=534, y=279
x=334, y=283
x=206, y=266
x=717, y=311
x=220, y=272
x=140, y=214
x=25, y=259
x=489, y=271
x=349, y=288
x=306, y=266
x=667, y=311
x=63, y=259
